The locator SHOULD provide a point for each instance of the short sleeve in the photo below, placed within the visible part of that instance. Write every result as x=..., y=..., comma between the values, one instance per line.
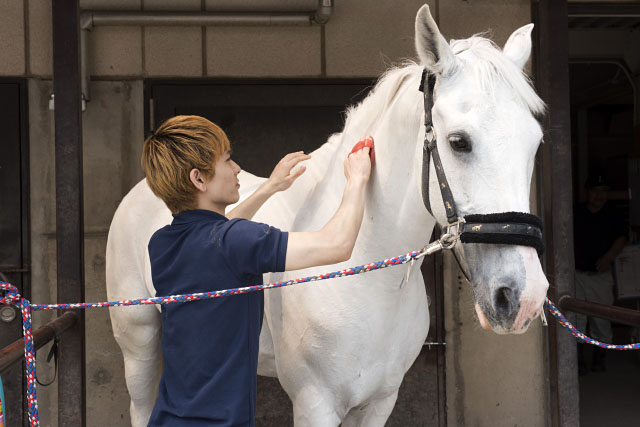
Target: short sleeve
x=253, y=248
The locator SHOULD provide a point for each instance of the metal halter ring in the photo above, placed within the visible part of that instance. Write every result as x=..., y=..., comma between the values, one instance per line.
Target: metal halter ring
x=450, y=237
x=448, y=241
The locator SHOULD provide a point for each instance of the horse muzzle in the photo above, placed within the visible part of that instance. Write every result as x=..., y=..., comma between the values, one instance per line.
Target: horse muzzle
x=510, y=290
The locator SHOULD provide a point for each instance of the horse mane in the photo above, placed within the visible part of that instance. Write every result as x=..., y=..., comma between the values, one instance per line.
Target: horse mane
x=490, y=64
x=388, y=86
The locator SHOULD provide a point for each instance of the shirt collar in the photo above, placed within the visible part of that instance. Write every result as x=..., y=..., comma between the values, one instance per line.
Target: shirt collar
x=186, y=217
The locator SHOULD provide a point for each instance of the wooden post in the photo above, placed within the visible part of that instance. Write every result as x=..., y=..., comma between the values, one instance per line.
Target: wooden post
x=553, y=83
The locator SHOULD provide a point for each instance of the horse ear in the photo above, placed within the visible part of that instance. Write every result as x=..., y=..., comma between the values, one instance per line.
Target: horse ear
x=518, y=47
x=433, y=50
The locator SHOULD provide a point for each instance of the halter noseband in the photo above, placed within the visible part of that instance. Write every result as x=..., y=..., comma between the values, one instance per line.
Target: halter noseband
x=511, y=228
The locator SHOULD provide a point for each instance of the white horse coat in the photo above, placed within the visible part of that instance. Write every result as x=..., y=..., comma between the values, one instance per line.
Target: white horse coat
x=340, y=348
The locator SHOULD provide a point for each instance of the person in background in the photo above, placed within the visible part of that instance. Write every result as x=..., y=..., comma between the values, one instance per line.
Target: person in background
x=600, y=234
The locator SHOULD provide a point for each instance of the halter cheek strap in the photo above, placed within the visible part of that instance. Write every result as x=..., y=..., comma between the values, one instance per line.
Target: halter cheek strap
x=428, y=125
x=430, y=150
x=511, y=228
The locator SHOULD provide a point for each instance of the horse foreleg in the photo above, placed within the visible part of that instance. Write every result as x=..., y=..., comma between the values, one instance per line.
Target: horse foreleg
x=266, y=355
x=142, y=378
x=373, y=414
x=137, y=331
x=312, y=409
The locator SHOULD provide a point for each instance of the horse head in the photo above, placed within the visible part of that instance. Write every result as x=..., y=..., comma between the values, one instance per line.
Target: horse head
x=484, y=115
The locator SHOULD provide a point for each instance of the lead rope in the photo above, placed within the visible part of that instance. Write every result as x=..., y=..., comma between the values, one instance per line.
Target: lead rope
x=11, y=297
x=448, y=240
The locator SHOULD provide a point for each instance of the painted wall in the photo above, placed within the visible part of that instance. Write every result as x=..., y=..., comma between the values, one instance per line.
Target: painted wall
x=491, y=380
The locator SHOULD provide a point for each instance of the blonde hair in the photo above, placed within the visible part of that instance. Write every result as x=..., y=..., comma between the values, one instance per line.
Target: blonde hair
x=181, y=144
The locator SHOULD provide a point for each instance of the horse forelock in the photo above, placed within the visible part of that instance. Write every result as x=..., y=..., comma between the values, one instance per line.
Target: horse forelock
x=488, y=64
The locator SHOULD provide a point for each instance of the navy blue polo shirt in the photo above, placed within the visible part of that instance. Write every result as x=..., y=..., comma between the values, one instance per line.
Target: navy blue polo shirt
x=210, y=347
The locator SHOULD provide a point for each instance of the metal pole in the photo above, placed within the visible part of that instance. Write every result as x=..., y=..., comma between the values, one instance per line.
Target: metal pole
x=186, y=19
x=221, y=13
x=610, y=312
x=553, y=83
x=15, y=351
x=69, y=209
x=268, y=6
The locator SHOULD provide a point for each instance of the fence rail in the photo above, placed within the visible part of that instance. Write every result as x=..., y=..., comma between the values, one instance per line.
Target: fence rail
x=14, y=352
x=617, y=314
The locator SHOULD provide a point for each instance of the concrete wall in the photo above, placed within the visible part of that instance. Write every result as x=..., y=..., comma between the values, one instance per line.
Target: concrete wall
x=491, y=380
x=113, y=130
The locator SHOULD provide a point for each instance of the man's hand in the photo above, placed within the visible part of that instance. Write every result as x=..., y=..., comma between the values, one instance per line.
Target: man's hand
x=358, y=164
x=603, y=263
x=284, y=175
x=281, y=178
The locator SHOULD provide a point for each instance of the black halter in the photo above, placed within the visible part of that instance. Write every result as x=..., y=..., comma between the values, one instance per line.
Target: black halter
x=511, y=228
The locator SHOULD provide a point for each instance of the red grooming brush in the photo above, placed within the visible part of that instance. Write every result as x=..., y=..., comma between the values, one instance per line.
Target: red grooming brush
x=367, y=142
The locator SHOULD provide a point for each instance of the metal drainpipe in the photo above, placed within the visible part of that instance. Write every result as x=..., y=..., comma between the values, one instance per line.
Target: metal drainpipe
x=91, y=19
x=323, y=13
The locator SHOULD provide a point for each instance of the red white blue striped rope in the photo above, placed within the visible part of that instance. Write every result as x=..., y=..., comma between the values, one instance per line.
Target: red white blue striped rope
x=582, y=337
x=10, y=296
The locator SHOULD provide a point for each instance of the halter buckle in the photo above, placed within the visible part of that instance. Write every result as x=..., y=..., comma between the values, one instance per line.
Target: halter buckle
x=429, y=136
x=451, y=234
x=455, y=224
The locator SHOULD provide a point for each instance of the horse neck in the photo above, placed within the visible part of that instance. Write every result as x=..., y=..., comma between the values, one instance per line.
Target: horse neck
x=395, y=218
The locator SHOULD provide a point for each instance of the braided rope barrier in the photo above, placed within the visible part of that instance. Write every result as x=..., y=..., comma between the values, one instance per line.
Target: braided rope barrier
x=582, y=337
x=10, y=296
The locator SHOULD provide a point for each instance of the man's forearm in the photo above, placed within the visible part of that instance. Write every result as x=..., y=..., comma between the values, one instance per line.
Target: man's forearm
x=617, y=247
x=248, y=208
x=342, y=229
x=335, y=241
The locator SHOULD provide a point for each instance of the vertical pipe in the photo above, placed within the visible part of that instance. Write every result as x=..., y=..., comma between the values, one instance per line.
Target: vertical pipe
x=636, y=107
x=553, y=83
x=84, y=65
x=69, y=209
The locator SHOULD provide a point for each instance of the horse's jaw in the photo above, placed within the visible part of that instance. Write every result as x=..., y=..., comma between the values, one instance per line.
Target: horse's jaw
x=509, y=286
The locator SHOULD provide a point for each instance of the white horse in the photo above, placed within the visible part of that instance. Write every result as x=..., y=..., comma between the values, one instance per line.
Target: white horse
x=340, y=348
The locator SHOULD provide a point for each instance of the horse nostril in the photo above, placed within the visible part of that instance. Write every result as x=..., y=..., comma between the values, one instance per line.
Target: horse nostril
x=503, y=301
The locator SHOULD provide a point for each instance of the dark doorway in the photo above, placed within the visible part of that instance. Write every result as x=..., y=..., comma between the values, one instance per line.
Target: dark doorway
x=604, y=146
x=14, y=233
x=264, y=121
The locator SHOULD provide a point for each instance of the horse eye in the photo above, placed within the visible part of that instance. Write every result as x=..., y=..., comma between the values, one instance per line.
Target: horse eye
x=460, y=143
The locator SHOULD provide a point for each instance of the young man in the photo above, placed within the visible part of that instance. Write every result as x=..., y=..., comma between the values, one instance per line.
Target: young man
x=210, y=347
